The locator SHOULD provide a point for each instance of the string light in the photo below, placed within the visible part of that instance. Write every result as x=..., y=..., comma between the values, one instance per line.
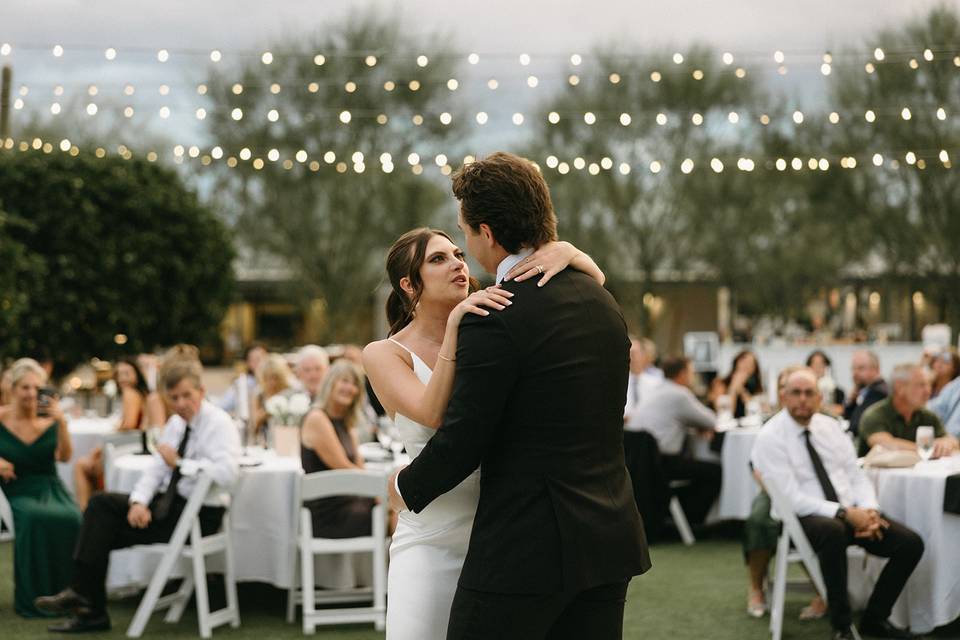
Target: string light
x=216, y=56
x=163, y=55
x=110, y=54
x=575, y=60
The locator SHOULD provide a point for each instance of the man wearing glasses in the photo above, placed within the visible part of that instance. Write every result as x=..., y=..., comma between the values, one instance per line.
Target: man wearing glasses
x=812, y=462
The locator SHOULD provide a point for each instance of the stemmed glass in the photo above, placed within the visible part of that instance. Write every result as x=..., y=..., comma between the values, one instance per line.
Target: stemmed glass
x=925, y=442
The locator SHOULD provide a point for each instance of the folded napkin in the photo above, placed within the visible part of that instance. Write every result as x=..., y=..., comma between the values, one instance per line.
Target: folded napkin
x=890, y=458
x=951, y=495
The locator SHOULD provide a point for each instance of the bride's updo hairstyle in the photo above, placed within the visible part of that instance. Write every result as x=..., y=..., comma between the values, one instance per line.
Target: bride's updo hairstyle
x=404, y=260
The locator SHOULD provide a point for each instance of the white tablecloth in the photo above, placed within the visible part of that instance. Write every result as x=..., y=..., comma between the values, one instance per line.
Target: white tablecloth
x=86, y=434
x=262, y=529
x=739, y=488
x=914, y=497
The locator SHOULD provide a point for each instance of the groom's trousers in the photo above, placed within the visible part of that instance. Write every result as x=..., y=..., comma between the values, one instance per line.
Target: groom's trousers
x=595, y=613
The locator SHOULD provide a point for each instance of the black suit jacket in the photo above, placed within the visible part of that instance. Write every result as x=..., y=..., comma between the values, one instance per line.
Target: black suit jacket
x=853, y=411
x=538, y=401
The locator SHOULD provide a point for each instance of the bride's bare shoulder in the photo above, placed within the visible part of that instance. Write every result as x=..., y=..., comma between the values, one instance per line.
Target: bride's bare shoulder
x=381, y=351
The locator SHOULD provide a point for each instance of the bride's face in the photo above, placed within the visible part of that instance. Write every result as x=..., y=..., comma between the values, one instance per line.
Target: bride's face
x=444, y=272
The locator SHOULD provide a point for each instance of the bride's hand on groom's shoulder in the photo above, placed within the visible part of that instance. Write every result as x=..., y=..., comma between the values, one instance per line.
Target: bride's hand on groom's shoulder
x=549, y=260
x=479, y=303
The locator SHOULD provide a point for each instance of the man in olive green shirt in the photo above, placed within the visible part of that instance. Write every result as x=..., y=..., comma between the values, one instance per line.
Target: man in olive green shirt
x=893, y=422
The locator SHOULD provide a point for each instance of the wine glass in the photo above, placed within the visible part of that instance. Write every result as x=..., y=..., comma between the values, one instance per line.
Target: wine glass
x=925, y=442
x=724, y=410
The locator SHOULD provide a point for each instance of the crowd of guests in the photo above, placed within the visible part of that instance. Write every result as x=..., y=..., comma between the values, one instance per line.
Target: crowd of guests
x=837, y=428
x=62, y=542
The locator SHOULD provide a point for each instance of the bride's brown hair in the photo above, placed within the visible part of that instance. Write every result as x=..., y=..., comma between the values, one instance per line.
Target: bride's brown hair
x=404, y=260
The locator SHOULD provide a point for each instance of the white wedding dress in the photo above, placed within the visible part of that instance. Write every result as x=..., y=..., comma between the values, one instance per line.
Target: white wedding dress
x=429, y=547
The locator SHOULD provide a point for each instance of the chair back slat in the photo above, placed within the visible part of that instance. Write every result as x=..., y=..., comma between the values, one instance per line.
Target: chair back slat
x=343, y=482
x=6, y=518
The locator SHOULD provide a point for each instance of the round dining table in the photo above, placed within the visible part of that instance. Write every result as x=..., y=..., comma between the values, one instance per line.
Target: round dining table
x=263, y=529
x=86, y=434
x=914, y=496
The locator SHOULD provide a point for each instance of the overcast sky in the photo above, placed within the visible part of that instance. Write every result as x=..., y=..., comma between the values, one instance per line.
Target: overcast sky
x=751, y=29
x=488, y=25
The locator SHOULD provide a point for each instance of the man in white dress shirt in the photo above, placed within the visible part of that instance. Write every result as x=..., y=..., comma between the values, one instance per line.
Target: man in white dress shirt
x=669, y=412
x=644, y=378
x=811, y=461
x=199, y=436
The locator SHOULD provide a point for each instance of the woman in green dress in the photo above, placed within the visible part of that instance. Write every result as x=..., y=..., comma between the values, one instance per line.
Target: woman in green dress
x=45, y=518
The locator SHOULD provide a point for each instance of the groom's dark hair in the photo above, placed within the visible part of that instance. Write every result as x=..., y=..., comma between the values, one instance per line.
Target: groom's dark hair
x=509, y=194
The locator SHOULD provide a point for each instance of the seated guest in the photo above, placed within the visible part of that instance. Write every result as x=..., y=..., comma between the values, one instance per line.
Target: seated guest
x=869, y=387
x=273, y=378
x=947, y=407
x=644, y=377
x=833, y=395
x=893, y=422
x=740, y=386
x=760, y=536
x=330, y=442
x=945, y=367
x=668, y=413
x=173, y=356
x=88, y=471
x=253, y=355
x=45, y=518
x=198, y=435
x=312, y=365
x=813, y=464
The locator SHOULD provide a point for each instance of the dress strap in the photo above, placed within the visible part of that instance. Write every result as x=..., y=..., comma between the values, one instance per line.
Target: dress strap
x=407, y=349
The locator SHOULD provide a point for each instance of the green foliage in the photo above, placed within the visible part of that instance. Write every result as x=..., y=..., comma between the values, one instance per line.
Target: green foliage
x=331, y=223
x=109, y=246
x=20, y=273
x=642, y=224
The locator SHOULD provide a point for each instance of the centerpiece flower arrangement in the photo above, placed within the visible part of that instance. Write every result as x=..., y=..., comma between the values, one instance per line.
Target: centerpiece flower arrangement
x=286, y=414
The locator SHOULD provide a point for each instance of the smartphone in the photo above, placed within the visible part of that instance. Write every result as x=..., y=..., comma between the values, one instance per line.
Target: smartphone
x=43, y=399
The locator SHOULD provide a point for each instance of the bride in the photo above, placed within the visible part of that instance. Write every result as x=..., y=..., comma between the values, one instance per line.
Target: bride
x=412, y=374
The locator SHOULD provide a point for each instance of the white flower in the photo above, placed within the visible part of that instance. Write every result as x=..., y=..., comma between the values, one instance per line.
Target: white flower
x=277, y=405
x=299, y=404
x=110, y=388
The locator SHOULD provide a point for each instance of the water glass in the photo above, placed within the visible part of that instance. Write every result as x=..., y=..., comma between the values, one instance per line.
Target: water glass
x=925, y=442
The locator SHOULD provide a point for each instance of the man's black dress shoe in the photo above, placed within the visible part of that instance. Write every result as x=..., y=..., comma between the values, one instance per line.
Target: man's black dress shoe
x=82, y=624
x=842, y=634
x=882, y=629
x=67, y=601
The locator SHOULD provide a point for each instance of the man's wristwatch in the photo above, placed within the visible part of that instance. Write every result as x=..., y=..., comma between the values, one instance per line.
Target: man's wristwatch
x=841, y=514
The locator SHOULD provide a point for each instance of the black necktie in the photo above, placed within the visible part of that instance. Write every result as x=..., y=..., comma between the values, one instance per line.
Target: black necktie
x=162, y=509
x=828, y=491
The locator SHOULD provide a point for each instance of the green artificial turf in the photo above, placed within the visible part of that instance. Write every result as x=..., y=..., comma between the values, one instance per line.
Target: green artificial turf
x=691, y=592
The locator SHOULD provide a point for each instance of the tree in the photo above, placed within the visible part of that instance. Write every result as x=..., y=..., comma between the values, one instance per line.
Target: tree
x=637, y=118
x=906, y=209
x=354, y=114
x=117, y=248
x=21, y=273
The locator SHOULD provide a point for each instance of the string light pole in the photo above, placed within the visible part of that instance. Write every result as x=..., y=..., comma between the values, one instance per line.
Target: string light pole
x=6, y=78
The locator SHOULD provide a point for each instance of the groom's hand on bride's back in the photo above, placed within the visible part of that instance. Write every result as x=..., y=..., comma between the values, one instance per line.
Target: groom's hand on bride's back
x=396, y=500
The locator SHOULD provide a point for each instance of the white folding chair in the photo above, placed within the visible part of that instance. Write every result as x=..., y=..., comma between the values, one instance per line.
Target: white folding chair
x=6, y=518
x=677, y=513
x=178, y=550
x=325, y=484
x=792, y=535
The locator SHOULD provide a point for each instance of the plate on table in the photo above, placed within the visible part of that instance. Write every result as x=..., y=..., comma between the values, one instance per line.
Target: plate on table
x=374, y=452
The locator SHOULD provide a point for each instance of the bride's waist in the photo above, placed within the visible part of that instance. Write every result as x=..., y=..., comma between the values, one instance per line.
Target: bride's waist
x=459, y=501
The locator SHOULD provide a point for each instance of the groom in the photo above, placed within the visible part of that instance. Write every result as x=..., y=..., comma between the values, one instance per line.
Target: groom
x=538, y=402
